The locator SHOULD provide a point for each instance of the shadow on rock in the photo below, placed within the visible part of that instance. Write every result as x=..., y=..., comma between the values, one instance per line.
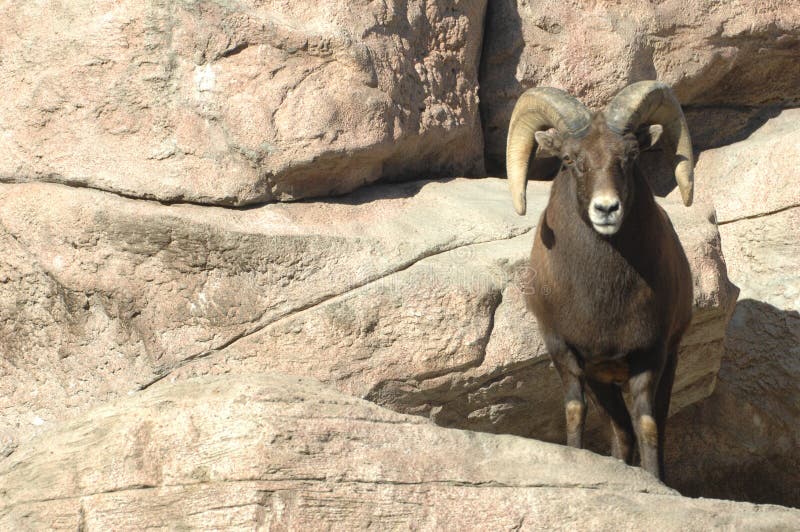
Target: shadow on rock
x=711, y=127
x=499, y=84
x=715, y=126
x=743, y=442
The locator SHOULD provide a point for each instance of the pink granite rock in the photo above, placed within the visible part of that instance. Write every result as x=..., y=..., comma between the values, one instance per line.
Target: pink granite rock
x=403, y=294
x=712, y=53
x=235, y=103
x=275, y=452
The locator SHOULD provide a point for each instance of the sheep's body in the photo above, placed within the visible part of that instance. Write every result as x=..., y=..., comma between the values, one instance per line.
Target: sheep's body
x=608, y=297
x=612, y=310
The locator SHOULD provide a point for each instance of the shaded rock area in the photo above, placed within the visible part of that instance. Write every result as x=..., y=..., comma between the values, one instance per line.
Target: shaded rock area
x=232, y=103
x=728, y=58
x=276, y=452
x=105, y=295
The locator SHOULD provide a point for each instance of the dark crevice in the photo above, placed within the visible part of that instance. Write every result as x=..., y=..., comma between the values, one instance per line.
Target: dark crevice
x=479, y=74
x=235, y=50
x=497, y=15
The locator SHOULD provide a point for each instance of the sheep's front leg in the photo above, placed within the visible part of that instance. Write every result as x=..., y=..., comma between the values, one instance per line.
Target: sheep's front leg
x=572, y=379
x=643, y=390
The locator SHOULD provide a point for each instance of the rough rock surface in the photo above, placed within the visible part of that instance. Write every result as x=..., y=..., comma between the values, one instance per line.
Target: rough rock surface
x=403, y=294
x=238, y=102
x=744, y=441
x=754, y=177
x=275, y=452
x=715, y=54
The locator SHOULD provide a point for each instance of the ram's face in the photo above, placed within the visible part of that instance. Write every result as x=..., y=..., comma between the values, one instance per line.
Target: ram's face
x=601, y=165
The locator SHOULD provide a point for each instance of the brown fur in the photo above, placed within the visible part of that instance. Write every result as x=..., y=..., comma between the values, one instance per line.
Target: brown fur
x=612, y=308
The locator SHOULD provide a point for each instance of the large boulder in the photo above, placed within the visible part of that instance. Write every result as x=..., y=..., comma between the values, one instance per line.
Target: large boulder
x=754, y=177
x=275, y=452
x=405, y=294
x=753, y=418
x=238, y=102
x=714, y=54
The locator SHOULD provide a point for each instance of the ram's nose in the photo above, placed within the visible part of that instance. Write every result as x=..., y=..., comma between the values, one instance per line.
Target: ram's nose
x=605, y=205
x=605, y=212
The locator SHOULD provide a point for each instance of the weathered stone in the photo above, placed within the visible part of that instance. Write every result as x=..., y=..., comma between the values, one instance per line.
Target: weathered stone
x=403, y=294
x=714, y=54
x=761, y=239
x=744, y=441
x=238, y=102
x=271, y=451
x=755, y=176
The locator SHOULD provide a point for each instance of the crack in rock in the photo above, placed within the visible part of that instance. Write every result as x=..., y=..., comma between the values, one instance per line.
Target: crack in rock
x=759, y=215
x=332, y=298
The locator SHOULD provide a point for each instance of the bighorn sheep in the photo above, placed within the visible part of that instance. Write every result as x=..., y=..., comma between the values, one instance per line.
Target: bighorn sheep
x=611, y=289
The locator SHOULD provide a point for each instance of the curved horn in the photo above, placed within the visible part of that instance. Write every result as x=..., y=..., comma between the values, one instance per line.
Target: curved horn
x=538, y=109
x=652, y=102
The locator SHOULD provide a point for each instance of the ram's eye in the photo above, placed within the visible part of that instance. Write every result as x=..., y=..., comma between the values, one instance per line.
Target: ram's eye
x=567, y=160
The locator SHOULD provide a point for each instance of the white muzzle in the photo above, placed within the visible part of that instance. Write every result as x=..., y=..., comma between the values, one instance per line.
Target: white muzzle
x=605, y=213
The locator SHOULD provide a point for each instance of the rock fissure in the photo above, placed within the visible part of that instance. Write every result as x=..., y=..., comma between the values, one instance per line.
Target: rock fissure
x=59, y=180
x=759, y=215
x=315, y=304
x=338, y=481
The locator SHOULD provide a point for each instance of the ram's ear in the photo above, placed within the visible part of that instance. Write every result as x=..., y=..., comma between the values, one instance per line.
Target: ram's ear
x=549, y=142
x=648, y=136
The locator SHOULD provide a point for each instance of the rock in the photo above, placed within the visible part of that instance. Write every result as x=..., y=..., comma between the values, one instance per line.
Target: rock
x=272, y=451
x=759, y=211
x=714, y=127
x=754, y=176
x=753, y=417
x=715, y=55
x=235, y=103
x=403, y=294
x=744, y=441
x=727, y=447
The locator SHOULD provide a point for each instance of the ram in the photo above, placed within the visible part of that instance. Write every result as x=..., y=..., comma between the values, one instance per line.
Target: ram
x=612, y=290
